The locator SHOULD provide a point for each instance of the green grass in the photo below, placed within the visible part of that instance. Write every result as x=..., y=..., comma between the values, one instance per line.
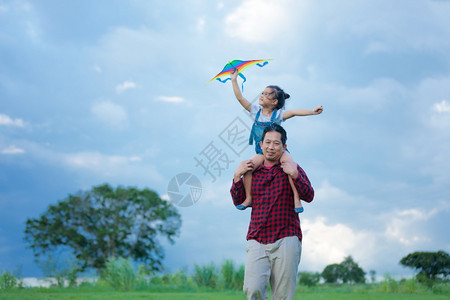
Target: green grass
x=114, y=295
x=107, y=293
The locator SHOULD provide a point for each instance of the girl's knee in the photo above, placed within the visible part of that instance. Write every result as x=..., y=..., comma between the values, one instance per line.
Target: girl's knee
x=286, y=157
x=257, y=160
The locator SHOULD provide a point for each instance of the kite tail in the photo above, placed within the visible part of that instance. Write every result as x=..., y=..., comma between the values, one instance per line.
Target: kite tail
x=263, y=64
x=223, y=80
x=240, y=75
x=243, y=77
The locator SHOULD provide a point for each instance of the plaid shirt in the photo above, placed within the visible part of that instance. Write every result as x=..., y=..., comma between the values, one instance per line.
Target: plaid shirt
x=273, y=216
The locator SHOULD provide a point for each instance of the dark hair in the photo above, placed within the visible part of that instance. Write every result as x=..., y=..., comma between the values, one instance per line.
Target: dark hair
x=277, y=128
x=280, y=95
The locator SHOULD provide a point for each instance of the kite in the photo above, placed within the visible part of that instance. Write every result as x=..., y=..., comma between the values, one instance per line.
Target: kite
x=239, y=65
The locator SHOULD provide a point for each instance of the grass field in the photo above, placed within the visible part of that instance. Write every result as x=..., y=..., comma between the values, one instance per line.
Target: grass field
x=103, y=293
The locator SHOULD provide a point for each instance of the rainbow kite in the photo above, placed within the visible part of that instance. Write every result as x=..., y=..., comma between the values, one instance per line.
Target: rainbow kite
x=240, y=65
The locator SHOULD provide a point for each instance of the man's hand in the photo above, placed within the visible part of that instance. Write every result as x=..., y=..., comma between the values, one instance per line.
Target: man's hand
x=244, y=167
x=290, y=168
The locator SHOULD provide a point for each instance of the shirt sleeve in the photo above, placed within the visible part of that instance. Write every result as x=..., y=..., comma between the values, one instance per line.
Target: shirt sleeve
x=303, y=185
x=280, y=114
x=254, y=108
x=238, y=192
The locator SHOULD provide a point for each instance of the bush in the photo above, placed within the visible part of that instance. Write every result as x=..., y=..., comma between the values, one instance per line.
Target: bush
x=239, y=278
x=422, y=278
x=61, y=271
x=408, y=286
x=206, y=276
x=180, y=278
x=389, y=285
x=232, y=278
x=441, y=288
x=8, y=281
x=120, y=274
x=308, y=278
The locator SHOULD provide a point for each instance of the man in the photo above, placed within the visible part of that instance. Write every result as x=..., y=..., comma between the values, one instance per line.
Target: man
x=274, y=235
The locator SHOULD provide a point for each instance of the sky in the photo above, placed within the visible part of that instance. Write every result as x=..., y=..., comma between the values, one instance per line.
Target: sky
x=110, y=91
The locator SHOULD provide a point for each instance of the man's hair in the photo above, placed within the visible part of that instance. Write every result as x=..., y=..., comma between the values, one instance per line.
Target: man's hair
x=277, y=128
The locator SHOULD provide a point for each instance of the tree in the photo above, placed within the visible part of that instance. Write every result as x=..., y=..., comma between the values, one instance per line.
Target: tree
x=348, y=271
x=373, y=274
x=333, y=273
x=429, y=264
x=309, y=278
x=105, y=223
x=352, y=271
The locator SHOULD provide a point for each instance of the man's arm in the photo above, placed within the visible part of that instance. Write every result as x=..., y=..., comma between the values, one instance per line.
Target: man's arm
x=237, y=189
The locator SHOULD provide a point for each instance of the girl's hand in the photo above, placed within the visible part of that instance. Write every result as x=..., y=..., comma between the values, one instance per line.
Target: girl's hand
x=318, y=110
x=234, y=74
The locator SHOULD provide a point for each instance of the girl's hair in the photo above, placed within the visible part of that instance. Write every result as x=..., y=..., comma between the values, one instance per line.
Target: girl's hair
x=280, y=95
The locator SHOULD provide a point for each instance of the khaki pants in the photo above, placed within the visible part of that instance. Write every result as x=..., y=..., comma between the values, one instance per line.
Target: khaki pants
x=277, y=263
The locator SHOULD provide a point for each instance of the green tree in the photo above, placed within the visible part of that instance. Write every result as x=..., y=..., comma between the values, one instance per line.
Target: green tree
x=333, y=273
x=429, y=264
x=104, y=223
x=348, y=271
x=308, y=278
x=373, y=276
x=352, y=271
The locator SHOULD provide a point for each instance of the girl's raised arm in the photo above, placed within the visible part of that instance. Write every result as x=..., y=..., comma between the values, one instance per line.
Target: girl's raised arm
x=302, y=112
x=237, y=91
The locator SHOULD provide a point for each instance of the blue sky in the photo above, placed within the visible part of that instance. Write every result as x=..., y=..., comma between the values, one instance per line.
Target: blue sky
x=115, y=92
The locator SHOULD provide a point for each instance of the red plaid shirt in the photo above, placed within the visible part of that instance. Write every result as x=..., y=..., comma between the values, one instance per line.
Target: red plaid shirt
x=273, y=216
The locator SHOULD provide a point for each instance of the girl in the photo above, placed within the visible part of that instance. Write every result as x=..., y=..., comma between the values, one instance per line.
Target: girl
x=270, y=110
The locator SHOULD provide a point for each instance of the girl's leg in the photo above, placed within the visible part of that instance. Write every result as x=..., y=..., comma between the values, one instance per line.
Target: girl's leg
x=286, y=157
x=257, y=161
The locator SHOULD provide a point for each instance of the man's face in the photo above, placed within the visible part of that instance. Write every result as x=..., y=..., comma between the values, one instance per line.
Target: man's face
x=272, y=146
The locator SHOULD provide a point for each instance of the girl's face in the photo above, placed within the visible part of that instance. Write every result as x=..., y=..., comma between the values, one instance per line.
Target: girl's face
x=267, y=98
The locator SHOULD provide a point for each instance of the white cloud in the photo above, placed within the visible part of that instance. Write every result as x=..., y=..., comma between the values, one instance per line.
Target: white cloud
x=32, y=31
x=442, y=107
x=97, y=69
x=125, y=86
x=8, y=121
x=126, y=49
x=418, y=25
x=171, y=99
x=12, y=150
x=376, y=47
x=201, y=24
x=325, y=244
x=122, y=168
x=134, y=158
x=259, y=21
x=3, y=8
x=96, y=161
x=111, y=114
x=399, y=227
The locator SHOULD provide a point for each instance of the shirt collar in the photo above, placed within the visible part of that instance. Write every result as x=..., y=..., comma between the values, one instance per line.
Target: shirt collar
x=262, y=166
